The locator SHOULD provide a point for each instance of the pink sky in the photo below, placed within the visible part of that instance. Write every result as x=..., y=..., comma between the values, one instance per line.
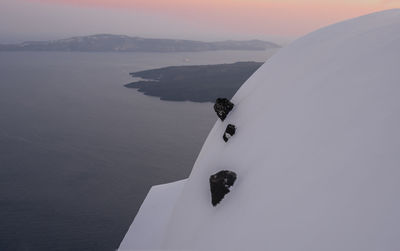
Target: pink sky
x=275, y=20
x=280, y=18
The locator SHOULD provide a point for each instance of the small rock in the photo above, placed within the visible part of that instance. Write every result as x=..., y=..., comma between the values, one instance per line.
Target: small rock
x=220, y=184
x=222, y=107
x=229, y=132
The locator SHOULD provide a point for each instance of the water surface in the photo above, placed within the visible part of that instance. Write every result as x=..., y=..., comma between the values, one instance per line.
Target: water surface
x=79, y=151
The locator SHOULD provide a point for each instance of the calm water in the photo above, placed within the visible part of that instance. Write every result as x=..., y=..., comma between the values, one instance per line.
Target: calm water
x=79, y=152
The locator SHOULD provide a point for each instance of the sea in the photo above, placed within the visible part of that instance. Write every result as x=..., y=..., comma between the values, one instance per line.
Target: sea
x=79, y=151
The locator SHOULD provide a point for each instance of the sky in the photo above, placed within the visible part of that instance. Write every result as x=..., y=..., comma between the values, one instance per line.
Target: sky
x=208, y=20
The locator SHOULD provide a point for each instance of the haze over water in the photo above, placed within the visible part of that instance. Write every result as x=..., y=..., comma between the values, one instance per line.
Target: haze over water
x=79, y=152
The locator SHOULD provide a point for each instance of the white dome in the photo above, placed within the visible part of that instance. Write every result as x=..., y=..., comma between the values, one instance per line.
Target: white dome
x=316, y=151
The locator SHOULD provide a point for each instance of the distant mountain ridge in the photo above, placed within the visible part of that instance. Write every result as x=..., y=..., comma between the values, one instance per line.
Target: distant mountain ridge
x=122, y=43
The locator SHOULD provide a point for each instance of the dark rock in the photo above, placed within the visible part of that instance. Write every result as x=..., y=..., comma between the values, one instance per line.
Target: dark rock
x=196, y=83
x=229, y=132
x=220, y=184
x=222, y=107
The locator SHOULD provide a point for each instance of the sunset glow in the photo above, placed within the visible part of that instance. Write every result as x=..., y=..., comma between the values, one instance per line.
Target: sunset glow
x=280, y=21
x=284, y=18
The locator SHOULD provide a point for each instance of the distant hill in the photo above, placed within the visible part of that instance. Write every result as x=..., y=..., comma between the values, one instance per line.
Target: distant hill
x=121, y=43
x=198, y=83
